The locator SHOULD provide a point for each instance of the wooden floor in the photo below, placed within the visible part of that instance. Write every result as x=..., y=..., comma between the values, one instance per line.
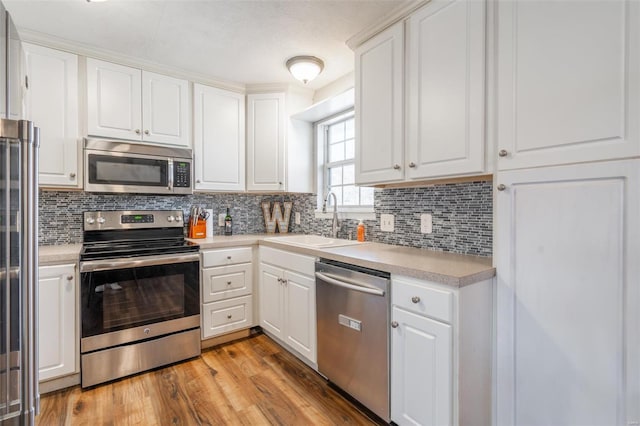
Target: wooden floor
x=252, y=381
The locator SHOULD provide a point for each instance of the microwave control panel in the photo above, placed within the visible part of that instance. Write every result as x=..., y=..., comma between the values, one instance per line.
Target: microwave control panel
x=181, y=174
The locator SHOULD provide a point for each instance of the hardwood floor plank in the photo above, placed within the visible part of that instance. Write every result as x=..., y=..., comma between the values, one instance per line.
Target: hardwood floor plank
x=252, y=381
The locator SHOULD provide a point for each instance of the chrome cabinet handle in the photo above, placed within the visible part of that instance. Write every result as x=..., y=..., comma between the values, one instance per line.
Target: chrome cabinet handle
x=415, y=299
x=412, y=164
x=501, y=187
x=146, y=132
x=394, y=324
x=503, y=153
x=280, y=280
x=69, y=277
x=72, y=175
x=137, y=131
x=396, y=166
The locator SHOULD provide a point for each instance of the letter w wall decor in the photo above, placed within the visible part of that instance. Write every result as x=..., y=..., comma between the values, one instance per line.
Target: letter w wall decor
x=276, y=218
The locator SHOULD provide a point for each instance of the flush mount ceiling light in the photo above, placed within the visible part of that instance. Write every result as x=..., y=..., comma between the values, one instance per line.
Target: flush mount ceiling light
x=305, y=68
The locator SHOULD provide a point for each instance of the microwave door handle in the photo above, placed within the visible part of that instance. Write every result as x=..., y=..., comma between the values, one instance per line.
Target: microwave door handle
x=170, y=174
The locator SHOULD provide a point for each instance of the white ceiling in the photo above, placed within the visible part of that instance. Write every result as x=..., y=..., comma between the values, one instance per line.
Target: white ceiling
x=239, y=41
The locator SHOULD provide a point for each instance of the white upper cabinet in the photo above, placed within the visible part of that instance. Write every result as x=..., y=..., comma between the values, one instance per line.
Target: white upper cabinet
x=52, y=104
x=445, y=90
x=568, y=90
x=379, y=107
x=266, y=142
x=219, y=139
x=127, y=103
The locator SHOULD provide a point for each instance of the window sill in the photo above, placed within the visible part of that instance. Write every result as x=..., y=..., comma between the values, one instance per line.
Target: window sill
x=362, y=214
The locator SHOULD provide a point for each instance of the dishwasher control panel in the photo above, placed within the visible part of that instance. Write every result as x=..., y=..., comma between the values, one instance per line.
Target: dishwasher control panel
x=350, y=322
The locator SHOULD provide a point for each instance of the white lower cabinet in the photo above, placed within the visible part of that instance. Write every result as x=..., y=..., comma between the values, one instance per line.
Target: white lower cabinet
x=57, y=331
x=440, y=353
x=288, y=300
x=227, y=288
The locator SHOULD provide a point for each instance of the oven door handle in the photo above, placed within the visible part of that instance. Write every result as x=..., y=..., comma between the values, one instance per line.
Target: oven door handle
x=109, y=264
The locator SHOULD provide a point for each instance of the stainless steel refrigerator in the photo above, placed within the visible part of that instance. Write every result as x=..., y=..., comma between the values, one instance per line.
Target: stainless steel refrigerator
x=19, y=141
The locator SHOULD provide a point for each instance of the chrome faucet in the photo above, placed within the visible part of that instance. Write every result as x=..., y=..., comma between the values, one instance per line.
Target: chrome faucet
x=334, y=224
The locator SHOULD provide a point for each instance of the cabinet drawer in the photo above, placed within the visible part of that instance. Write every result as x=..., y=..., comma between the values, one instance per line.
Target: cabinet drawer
x=416, y=297
x=291, y=261
x=223, y=257
x=227, y=315
x=225, y=282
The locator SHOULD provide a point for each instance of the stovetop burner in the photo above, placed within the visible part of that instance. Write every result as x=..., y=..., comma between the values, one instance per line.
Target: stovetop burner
x=125, y=234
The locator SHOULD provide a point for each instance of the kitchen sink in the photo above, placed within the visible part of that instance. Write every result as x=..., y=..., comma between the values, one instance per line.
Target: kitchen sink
x=312, y=241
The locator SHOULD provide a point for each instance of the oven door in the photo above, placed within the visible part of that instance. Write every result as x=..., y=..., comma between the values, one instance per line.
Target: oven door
x=125, y=172
x=127, y=300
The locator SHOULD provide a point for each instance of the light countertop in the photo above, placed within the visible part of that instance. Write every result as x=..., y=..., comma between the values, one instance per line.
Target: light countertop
x=452, y=269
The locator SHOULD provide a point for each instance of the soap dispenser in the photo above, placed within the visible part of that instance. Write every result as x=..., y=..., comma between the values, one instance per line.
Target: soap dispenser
x=360, y=231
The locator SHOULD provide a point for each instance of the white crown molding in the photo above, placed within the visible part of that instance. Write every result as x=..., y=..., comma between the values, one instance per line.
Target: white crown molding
x=394, y=16
x=46, y=40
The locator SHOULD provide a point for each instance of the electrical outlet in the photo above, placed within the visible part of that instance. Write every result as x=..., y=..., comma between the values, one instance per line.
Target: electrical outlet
x=386, y=222
x=297, y=218
x=221, y=217
x=426, y=223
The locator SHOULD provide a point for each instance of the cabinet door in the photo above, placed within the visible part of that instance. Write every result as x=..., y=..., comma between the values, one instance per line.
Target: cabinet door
x=219, y=139
x=114, y=100
x=569, y=90
x=57, y=341
x=165, y=109
x=421, y=370
x=52, y=104
x=265, y=142
x=568, y=295
x=446, y=89
x=300, y=311
x=379, y=107
x=271, y=295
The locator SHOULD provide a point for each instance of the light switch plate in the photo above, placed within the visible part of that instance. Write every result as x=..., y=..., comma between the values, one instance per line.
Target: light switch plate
x=386, y=223
x=297, y=218
x=221, y=217
x=426, y=223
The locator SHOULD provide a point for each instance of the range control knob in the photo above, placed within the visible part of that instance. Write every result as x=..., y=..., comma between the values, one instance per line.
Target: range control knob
x=178, y=218
x=91, y=220
x=170, y=219
x=101, y=220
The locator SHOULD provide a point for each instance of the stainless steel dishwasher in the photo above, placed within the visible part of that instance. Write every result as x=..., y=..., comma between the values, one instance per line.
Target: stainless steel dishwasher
x=353, y=331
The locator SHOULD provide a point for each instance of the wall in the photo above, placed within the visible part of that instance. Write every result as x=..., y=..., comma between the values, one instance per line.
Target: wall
x=462, y=214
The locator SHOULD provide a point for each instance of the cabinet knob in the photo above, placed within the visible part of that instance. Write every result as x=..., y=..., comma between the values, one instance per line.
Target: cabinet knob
x=503, y=153
x=228, y=257
x=280, y=183
x=197, y=180
x=146, y=132
x=229, y=316
x=72, y=175
x=501, y=187
x=415, y=299
x=146, y=331
x=412, y=164
x=137, y=131
x=394, y=324
x=228, y=282
x=69, y=277
x=396, y=166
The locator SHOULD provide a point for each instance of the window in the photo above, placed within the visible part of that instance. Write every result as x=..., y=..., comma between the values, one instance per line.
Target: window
x=336, y=151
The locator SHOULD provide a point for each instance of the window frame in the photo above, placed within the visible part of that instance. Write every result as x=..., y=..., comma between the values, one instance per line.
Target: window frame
x=321, y=130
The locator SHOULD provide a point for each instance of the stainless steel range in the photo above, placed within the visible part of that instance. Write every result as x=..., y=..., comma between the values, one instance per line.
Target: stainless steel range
x=140, y=285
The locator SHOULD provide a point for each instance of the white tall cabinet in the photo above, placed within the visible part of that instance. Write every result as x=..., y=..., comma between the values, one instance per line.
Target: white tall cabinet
x=568, y=294
x=219, y=139
x=57, y=334
x=127, y=103
x=52, y=104
x=568, y=213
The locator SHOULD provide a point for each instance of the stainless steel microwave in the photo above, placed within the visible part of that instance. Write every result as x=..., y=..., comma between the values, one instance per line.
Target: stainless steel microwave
x=119, y=166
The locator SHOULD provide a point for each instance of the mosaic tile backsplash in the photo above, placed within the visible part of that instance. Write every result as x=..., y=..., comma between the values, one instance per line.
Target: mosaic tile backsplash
x=462, y=214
